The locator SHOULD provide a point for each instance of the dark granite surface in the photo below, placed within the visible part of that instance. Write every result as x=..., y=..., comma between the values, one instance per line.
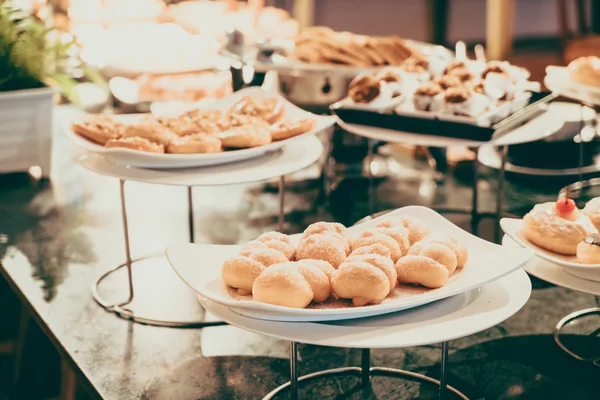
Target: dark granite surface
x=57, y=238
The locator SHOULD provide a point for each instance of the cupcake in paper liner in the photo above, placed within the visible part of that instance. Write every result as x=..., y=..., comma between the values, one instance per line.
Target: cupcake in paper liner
x=371, y=90
x=474, y=67
x=464, y=75
x=462, y=101
x=428, y=97
x=416, y=68
x=393, y=78
x=448, y=81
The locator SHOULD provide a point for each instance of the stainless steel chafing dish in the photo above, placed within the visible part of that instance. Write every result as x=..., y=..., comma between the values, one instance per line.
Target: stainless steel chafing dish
x=310, y=86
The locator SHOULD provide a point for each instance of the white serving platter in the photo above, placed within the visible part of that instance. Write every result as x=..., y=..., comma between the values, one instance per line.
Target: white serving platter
x=513, y=228
x=558, y=80
x=449, y=319
x=142, y=159
x=555, y=274
x=200, y=268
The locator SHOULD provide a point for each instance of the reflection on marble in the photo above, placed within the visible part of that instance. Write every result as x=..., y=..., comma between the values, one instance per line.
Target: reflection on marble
x=56, y=239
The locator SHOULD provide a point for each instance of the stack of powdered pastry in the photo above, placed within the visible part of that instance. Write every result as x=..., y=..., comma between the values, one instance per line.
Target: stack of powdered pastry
x=328, y=263
x=252, y=121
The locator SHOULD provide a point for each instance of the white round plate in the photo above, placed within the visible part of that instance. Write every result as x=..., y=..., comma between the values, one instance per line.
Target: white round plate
x=291, y=158
x=513, y=228
x=434, y=323
x=557, y=79
x=552, y=273
x=200, y=268
x=142, y=159
x=536, y=129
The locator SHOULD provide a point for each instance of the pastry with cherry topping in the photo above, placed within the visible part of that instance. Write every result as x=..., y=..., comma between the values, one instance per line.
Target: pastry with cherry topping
x=557, y=226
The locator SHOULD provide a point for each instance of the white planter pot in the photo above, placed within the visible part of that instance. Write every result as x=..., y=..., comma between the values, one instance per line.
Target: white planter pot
x=26, y=130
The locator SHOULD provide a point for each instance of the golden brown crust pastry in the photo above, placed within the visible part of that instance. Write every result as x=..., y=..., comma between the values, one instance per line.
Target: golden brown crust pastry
x=195, y=144
x=246, y=136
x=98, y=128
x=135, y=143
x=287, y=129
x=151, y=131
x=269, y=109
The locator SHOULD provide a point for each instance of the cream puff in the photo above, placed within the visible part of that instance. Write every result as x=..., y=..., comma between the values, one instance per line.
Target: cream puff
x=592, y=211
x=588, y=250
x=557, y=226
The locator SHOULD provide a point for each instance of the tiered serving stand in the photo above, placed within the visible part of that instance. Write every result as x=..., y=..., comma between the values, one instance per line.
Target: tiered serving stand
x=439, y=322
x=536, y=129
x=291, y=158
x=552, y=273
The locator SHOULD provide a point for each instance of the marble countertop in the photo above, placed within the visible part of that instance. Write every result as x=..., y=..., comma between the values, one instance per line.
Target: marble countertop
x=55, y=239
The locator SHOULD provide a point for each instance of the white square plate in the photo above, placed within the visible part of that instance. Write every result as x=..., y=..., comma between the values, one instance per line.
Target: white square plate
x=513, y=227
x=200, y=268
x=142, y=159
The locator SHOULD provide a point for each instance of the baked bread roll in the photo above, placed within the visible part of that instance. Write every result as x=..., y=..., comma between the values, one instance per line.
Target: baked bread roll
x=329, y=228
x=322, y=265
x=239, y=272
x=437, y=252
x=266, y=256
x=421, y=270
x=379, y=238
x=324, y=247
x=585, y=70
x=385, y=264
x=449, y=241
x=545, y=227
x=398, y=233
x=280, y=242
x=375, y=248
x=417, y=229
x=361, y=282
x=588, y=251
x=317, y=279
x=282, y=285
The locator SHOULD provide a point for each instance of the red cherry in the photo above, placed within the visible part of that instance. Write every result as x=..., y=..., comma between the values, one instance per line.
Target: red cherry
x=565, y=205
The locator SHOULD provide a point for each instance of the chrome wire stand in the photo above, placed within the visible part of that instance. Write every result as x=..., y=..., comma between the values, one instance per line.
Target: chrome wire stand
x=364, y=372
x=574, y=316
x=120, y=308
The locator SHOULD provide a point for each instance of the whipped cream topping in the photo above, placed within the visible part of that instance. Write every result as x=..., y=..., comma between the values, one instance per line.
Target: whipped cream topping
x=545, y=217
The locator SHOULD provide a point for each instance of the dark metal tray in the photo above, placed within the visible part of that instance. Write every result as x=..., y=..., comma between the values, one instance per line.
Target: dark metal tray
x=437, y=127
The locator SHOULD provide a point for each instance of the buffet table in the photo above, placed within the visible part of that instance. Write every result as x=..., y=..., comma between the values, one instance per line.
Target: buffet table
x=51, y=261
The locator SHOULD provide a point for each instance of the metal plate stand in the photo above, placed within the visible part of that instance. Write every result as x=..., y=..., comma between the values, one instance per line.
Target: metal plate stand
x=473, y=210
x=365, y=372
x=575, y=190
x=120, y=308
